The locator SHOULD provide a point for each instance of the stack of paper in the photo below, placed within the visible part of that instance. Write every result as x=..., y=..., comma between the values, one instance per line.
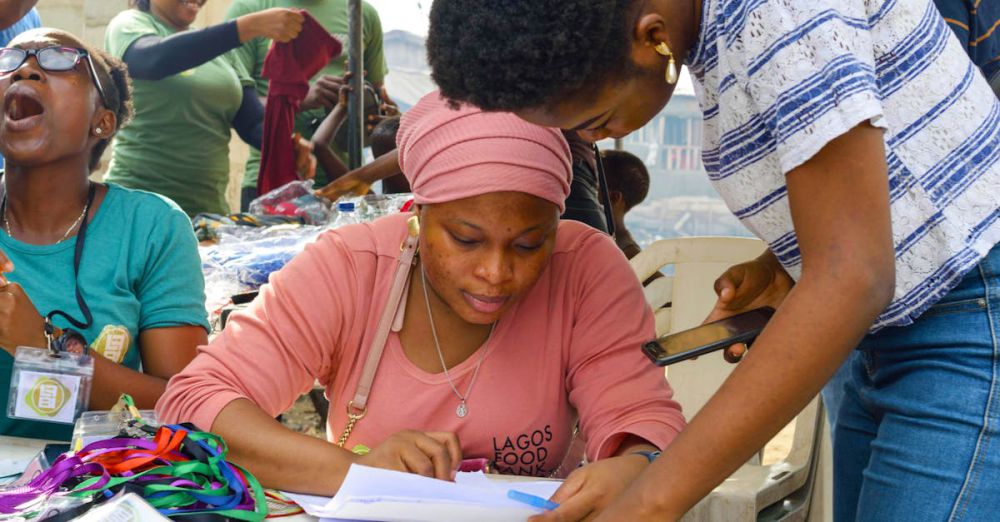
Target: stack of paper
x=391, y=496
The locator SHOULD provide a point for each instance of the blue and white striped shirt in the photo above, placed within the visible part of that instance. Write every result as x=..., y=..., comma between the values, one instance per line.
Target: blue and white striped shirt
x=778, y=79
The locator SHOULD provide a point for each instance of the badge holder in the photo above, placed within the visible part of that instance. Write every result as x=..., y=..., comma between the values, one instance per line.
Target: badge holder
x=49, y=385
x=53, y=385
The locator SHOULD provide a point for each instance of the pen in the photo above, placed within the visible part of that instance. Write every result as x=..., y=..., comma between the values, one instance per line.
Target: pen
x=531, y=500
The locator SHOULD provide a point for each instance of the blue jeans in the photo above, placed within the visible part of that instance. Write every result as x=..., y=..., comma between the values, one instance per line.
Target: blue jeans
x=918, y=427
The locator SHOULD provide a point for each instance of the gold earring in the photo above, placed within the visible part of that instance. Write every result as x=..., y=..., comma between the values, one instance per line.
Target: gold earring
x=664, y=50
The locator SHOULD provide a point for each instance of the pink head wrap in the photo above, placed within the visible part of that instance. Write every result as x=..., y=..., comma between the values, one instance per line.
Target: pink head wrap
x=451, y=154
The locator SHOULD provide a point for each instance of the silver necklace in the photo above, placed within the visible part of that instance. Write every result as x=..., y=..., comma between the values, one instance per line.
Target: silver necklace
x=6, y=222
x=463, y=409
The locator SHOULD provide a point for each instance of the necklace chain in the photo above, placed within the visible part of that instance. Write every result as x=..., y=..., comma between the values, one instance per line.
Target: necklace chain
x=462, y=409
x=6, y=222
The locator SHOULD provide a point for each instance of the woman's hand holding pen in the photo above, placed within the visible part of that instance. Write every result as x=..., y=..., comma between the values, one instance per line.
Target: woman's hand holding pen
x=428, y=453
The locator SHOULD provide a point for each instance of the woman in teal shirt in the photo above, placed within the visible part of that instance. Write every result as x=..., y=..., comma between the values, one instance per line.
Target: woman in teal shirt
x=139, y=270
x=189, y=94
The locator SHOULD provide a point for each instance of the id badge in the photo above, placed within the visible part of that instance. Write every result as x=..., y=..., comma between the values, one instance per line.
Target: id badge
x=49, y=387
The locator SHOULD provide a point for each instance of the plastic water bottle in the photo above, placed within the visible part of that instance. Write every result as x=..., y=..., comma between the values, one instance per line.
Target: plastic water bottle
x=346, y=214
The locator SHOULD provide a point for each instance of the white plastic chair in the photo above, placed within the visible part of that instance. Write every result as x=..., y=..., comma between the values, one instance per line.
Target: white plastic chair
x=780, y=491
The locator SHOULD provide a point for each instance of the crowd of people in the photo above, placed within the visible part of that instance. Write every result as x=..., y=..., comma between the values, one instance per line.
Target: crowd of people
x=500, y=319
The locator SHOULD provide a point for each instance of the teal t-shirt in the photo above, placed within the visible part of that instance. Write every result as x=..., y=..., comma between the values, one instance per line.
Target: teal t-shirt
x=332, y=15
x=177, y=144
x=140, y=270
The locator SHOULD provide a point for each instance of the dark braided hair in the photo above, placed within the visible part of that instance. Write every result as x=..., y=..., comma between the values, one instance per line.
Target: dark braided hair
x=142, y=5
x=118, y=88
x=509, y=55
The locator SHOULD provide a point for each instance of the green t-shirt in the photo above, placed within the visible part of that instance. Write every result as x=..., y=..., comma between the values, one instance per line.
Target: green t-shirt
x=332, y=15
x=178, y=142
x=140, y=270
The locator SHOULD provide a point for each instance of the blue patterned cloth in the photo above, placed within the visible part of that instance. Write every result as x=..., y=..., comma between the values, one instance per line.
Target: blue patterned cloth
x=779, y=79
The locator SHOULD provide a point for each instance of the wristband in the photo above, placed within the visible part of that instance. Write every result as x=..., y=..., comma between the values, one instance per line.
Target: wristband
x=650, y=455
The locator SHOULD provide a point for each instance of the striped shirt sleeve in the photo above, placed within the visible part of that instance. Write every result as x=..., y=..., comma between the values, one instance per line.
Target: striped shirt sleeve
x=812, y=78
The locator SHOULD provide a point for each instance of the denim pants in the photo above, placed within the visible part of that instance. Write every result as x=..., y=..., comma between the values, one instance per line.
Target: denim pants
x=916, y=435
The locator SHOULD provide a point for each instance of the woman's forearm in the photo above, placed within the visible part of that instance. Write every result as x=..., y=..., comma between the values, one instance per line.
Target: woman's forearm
x=278, y=457
x=383, y=167
x=112, y=379
x=808, y=338
x=153, y=57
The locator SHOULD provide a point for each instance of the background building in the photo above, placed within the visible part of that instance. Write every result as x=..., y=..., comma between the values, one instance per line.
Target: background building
x=681, y=201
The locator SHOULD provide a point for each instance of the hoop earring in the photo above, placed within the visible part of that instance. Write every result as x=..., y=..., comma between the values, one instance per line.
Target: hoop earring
x=663, y=49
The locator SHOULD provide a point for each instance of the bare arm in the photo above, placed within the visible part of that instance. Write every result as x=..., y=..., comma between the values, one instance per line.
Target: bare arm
x=279, y=457
x=13, y=10
x=359, y=180
x=165, y=352
x=847, y=280
x=321, y=142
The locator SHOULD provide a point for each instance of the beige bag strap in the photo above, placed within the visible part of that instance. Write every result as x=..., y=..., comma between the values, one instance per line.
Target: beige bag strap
x=357, y=408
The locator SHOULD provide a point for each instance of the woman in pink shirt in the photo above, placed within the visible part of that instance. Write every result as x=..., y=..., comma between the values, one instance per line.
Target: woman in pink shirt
x=512, y=327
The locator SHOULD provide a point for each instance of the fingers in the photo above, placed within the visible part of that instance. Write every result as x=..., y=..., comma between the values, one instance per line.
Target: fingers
x=735, y=353
x=570, y=487
x=579, y=506
x=440, y=462
x=346, y=184
x=574, y=503
x=451, y=444
x=293, y=25
x=6, y=265
x=416, y=461
x=725, y=286
x=334, y=190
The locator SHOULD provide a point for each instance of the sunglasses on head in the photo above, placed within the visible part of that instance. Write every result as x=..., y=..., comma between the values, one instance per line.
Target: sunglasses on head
x=52, y=59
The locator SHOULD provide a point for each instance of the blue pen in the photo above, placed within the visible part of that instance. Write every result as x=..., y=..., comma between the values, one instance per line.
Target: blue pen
x=531, y=500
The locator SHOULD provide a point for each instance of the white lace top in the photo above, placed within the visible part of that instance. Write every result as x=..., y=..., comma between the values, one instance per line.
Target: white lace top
x=778, y=79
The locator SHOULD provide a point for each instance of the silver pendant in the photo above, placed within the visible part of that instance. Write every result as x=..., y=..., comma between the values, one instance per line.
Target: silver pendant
x=461, y=411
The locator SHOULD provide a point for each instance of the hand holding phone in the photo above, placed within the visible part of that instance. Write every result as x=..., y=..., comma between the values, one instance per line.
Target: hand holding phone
x=709, y=337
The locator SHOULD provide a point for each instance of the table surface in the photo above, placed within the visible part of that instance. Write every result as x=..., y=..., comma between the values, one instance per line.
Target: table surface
x=16, y=449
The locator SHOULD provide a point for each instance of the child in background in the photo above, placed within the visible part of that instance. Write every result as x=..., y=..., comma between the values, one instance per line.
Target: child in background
x=628, y=185
x=384, y=142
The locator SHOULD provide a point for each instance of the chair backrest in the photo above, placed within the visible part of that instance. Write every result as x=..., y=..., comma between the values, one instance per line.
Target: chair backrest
x=696, y=262
x=800, y=482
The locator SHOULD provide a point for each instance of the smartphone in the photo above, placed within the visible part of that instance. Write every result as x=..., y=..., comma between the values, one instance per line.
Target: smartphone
x=707, y=338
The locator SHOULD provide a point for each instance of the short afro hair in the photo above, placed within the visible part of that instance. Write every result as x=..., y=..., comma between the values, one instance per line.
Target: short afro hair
x=508, y=55
x=627, y=174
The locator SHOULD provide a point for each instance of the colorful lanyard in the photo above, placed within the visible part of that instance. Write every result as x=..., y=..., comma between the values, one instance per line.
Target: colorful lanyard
x=180, y=472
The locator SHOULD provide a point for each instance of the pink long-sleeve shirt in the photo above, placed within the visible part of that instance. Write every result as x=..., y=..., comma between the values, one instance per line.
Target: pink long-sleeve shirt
x=569, y=349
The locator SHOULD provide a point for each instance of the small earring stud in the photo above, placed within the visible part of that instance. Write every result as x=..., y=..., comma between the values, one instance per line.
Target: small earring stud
x=99, y=131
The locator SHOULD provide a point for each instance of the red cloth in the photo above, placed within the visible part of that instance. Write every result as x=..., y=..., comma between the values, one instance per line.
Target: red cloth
x=289, y=67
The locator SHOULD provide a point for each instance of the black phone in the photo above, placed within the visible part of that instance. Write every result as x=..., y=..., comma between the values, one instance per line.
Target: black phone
x=707, y=338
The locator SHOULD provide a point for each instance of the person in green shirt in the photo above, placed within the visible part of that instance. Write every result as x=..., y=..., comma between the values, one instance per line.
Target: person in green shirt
x=141, y=292
x=189, y=93
x=332, y=15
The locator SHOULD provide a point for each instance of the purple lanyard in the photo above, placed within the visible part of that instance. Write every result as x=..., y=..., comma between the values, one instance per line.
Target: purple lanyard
x=20, y=498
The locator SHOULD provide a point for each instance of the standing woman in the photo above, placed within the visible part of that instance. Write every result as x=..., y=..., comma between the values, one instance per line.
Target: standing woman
x=136, y=295
x=189, y=93
x=857, y=139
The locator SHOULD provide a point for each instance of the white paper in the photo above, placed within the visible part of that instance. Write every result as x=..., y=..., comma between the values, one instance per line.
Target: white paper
x=391, y=496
